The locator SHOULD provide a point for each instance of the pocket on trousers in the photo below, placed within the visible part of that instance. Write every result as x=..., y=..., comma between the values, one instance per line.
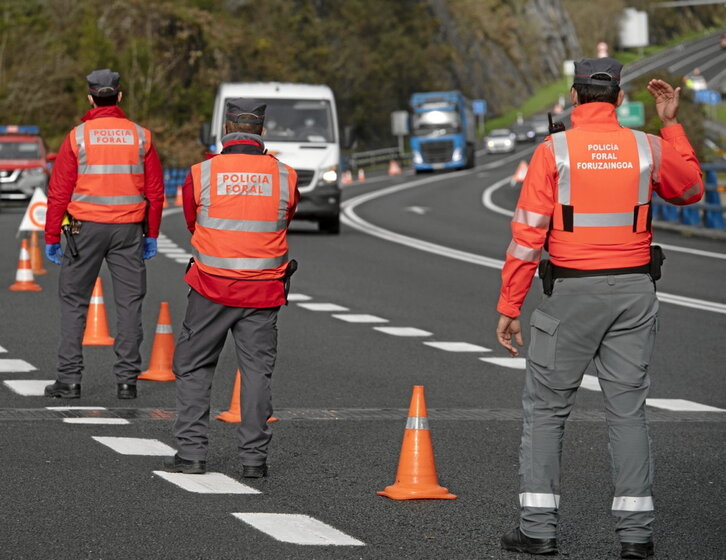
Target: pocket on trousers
x=649, y=344
x=543, y=340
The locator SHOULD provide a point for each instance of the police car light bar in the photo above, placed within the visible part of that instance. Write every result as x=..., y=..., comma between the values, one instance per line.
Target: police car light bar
x=19, y=129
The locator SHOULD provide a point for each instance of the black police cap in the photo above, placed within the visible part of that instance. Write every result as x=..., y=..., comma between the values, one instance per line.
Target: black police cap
x=103, y=83
x=586, y=68
x=243, y=110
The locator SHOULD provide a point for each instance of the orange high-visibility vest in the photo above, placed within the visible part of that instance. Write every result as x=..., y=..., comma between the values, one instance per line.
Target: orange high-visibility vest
x=110, y=185
x=242, y=215
x=603, y=193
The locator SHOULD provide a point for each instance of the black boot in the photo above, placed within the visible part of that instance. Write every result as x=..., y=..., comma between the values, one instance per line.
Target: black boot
x=60, y=390
x=516, y=541
x=637, y=550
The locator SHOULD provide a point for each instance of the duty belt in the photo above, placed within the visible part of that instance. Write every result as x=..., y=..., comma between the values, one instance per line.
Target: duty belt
x=562, y=272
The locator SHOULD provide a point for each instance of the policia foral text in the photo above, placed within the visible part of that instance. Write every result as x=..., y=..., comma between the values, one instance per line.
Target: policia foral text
x=108, y=179
x=587, y=200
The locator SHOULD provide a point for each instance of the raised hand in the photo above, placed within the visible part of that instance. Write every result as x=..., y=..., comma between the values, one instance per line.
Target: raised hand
x=666, y=100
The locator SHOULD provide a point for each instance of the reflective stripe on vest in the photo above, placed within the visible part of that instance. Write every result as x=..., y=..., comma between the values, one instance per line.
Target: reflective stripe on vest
x=571, y=217
x=239, y=263
x=85, y=169
x=229, y=224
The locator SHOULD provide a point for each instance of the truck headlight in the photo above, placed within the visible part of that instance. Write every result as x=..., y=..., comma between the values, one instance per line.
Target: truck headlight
x=328, y=176
x=456, y=156
x=417, y=157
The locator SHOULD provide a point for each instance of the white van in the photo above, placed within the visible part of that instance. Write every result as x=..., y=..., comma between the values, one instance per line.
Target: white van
x=301, y=130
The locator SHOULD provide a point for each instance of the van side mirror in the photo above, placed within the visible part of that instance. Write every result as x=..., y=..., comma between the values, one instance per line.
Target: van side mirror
x=204, y=134
x=348, y=137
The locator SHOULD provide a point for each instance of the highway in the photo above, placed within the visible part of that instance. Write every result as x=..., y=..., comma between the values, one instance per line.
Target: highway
x=404, y=296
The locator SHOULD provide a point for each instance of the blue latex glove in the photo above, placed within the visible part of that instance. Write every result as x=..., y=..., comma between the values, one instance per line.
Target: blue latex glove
x=149, y=247
x=54, y=252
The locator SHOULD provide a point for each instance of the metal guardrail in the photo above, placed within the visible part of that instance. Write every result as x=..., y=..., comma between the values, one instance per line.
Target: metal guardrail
x=709, y=214
x=375, y=157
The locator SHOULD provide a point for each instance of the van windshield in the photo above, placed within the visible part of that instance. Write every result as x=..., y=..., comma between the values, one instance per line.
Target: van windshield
x=19, y=150
x=298, y=120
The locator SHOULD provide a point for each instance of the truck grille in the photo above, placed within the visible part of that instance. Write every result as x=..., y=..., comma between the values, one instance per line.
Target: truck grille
x=437, y=152
x=304, y=177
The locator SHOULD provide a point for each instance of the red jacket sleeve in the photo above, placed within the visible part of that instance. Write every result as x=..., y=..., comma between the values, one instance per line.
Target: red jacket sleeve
x=190, y=205
x=678, y=180
x=530, y=225
x=60, y=189
x=153, y=191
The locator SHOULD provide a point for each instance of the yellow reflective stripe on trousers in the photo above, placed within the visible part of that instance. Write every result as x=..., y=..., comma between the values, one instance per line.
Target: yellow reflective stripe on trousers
x=523, y=253
x=417, y=423
x=539, y=500
x=633, y=503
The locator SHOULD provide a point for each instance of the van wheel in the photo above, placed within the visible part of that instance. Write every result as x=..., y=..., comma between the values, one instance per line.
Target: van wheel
x=330, y=225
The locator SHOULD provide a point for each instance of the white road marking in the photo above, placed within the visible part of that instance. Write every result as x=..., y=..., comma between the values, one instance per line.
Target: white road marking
x=590, y=382
x=7, y=366
x=298, y=297
x=513, y=363
x=323, y=306
x=117, y=421
x=28, y=387
x=403, y=331
x=420, y=210
x=2, y=350
x=209, y=483
x=61, y=408
x=181, y=260
x=681, y=405
x=297, y=529
x=361, y=318
x=172, y=250
x=457, y=346
x=136, y=446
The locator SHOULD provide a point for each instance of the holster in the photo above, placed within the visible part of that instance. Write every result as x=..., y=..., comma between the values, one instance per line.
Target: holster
x=289, y=271
x=545, y=274
x=656, y=261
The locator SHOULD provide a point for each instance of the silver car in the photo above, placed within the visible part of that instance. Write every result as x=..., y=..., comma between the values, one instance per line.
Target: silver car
x=500, y=140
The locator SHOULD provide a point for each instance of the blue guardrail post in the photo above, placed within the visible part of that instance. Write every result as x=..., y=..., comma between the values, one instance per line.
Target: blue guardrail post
x=712, y=218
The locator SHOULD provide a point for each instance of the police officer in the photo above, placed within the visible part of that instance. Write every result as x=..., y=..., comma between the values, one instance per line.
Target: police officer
x=108, y=179
x=587, y=200
x=238, y=206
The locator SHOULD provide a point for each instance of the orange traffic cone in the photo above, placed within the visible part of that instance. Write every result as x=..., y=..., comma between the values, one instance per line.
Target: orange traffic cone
x=416, y=477
x=394, y=168
x=347, y=178
x=361, y=175
x=179, y=201
x=96, y=333
x=36, y=257
x=24, y=281
x=233, y=415
x=166, y=203
x=162, y=351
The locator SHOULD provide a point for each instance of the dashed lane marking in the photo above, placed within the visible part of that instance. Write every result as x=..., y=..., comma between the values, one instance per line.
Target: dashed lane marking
x=681, y=405
x=403, y=331
x=590, y=382
x=96, y=420
x=298, y=297
x=7, y=366
x=136, y=446
x=512, y=363
x=297, y=529
x=323, y=306
x=2, y=350
x=64, y=408
x=209, y=483
x=361, y=318
x=457, y=346
x=28, y=387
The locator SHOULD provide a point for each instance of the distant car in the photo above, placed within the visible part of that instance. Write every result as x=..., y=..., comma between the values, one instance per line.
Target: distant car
x=541, y=124
x=24, y=162
x=524, y=132
x=500, y=140
x=695, y=80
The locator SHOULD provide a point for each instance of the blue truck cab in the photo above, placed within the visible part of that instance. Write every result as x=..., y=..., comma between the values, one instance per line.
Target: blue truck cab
x=442, y=131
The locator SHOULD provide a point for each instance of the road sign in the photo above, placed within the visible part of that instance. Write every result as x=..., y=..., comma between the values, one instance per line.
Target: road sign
x=631, y=114
x=399, y=123
x=479, y=107
x=707, y=96
x=34, y=218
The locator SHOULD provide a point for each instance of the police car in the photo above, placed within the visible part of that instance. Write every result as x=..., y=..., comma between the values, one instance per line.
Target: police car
x=24, y=162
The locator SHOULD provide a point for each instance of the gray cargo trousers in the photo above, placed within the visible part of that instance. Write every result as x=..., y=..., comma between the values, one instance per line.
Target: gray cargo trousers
x=121, y=246
x=198, y=347
x=611, y=320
